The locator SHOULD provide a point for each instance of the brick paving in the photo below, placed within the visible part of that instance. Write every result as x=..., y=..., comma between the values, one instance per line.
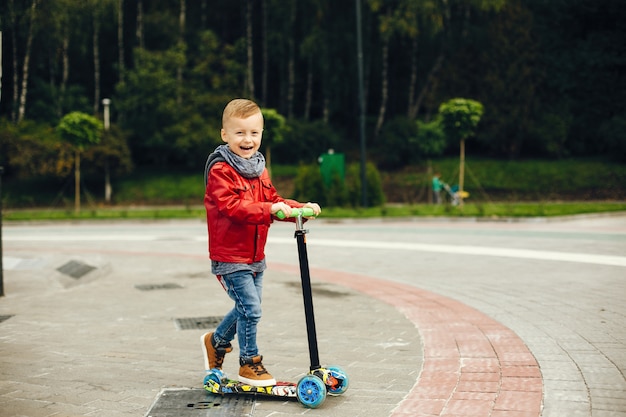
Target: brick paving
x=472, y=365
x=429, y=318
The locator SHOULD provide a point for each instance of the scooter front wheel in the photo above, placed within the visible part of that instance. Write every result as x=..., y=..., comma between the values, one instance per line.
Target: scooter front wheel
x=339, y=380
x=311, y=391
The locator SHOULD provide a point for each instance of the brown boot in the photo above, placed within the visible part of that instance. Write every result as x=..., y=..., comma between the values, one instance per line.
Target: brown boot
x=213, y=356
x=253, y=372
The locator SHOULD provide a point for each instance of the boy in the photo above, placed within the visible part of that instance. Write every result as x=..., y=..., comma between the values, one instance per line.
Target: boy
x=240, y=202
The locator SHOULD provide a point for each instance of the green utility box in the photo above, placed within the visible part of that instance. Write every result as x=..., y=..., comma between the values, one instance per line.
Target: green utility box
x=332, y=164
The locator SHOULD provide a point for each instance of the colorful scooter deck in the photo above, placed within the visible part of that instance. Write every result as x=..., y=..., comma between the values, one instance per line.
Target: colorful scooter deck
x=216, y=383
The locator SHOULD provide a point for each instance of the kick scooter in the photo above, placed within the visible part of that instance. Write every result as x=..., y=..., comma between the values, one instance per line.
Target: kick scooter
x=312, y=388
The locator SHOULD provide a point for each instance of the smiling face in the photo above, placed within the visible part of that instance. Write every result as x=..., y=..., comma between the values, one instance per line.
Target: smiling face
x=243, y=136
x=242, y=127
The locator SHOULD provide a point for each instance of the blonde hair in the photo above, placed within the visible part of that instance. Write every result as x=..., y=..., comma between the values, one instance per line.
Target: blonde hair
x=240, y=108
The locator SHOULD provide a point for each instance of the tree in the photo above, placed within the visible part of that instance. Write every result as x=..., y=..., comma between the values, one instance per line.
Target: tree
x=79, y=130
x=26, y=65
x=460, y=118
x=273, y=133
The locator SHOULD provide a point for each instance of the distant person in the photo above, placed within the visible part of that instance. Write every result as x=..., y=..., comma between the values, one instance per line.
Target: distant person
x=437, y=186
x=241, y=204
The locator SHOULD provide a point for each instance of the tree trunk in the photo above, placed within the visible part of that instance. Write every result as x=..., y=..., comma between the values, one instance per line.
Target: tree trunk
x=25, y=68
x=120, y=38
x=181, y=42
x=428, y=85
x=96, y=61
x=291, y=66
x=77, y=183
x=65, y=70
x=265, y=54
x=411, y=110
x=268, y=160
x=139, y=31
x=13, y=25
x=249, y=49
x=203, y=9
x=384, y=88
x=309, y=91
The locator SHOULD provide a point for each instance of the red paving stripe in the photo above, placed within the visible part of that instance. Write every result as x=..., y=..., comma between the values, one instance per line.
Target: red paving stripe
x=473, y=365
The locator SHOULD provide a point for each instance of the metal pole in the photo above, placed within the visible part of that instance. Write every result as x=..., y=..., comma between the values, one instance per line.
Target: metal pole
x=108, y=190
x=1, y=267
x=361, y=101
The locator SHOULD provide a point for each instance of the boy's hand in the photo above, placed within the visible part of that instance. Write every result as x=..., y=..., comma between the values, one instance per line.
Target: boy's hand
x=276, y=207
x=315, y=207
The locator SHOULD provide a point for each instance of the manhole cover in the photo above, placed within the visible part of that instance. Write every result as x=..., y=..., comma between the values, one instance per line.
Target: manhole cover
x=76, y=269
x=6, y=317
x=198, y=322
x=150, y=287
x=198, y=402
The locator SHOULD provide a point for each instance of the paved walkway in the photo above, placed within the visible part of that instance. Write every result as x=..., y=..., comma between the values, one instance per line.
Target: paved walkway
x=429, y=318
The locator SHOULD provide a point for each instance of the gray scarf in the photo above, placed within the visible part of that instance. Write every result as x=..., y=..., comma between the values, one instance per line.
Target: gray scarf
x=247, y=168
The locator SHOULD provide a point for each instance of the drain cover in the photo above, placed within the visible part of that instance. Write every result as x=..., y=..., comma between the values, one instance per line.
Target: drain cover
x=198, y=322
x=76, y=269
x=3, y=318
x=150, y=287
x=198, y=402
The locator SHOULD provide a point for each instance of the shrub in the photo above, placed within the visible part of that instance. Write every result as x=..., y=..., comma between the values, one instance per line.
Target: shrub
x=309, y=186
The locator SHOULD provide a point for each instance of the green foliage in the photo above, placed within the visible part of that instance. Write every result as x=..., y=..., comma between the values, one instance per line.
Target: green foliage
x=488, y=181
x=460, y=117
x=549, y=134
x=305, y=141
x=374, y=189
x=33, y=149
x=431, y=140
x=167, y=119
x=275, y=127
x=80, y=130
x=158, y=187
x=613, y=133
x=396, y=146
x=550, y=74
x=544, y=180
x=309, y=186
x=111, y=151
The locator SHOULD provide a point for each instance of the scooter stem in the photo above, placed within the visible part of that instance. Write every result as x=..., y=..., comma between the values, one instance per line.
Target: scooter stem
x=307, y=295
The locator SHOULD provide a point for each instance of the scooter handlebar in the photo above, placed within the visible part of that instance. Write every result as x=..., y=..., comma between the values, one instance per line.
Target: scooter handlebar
x=296, y=212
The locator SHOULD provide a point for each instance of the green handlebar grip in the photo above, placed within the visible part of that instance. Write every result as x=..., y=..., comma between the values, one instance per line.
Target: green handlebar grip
x=295, y=212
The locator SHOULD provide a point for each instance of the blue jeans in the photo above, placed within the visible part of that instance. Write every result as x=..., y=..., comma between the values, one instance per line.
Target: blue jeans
x=245, y=289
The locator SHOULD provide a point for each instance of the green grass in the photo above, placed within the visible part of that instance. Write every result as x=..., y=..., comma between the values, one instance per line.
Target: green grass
x=144, y=213
x=491, y=210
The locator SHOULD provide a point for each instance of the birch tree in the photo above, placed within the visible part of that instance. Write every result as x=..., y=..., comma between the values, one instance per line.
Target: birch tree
x=249, y=52
x=25, y=67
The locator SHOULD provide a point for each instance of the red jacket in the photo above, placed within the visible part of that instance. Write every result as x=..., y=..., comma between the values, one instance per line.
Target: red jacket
x=238, y=214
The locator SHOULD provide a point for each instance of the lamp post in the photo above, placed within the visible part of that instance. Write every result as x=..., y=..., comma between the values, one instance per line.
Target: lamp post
x=106, y=102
